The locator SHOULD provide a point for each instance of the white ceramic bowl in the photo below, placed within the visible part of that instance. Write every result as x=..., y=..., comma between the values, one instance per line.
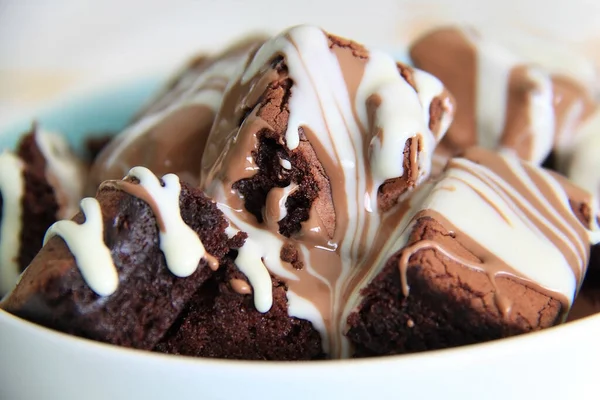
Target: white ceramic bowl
x=37, y=363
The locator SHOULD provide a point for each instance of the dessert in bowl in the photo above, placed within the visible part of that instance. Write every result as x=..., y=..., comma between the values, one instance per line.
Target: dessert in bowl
x=315, y=225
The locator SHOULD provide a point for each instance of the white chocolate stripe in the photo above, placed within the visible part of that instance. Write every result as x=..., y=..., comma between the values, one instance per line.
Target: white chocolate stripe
x=494, y=66
x=401, y=116
x=541, y=115
x=260, y=255
x=12, y=187
x=250, y=261
x=65, y=168
x=86, y=243
x=181, y=246
x=428, y=88
x=516, y=203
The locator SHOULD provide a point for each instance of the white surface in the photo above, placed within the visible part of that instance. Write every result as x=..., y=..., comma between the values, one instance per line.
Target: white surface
x=48, y=48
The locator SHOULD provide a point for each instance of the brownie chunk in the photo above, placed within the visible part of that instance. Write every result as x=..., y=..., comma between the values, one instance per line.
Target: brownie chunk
x=301, y=150
x=449, y=305
x=42, y=182
x=221, y=321
x=40, y=206
x=148, y=299
x=449, y=284
x=260, y=111
x=169, y=134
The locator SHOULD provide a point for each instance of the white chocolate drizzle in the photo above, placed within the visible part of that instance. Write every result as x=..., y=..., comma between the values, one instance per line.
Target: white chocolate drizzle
x=64, y=171
x=494, y=64
x=181, y=246
x=275, y=209
x=428, y=88
x=494, y=67
x=12, y=187
x=400, y=117
x=251, y=262
x=86, y=243
x=541, y=115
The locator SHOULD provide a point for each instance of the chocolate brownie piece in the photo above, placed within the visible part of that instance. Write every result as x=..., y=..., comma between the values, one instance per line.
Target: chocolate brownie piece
x=260, y=112
x=149, y=297
x=169, y=134
x=504, y=101
x=42, y=182
x=221, y=321
x=12, y=187
x=449, y=284
x=193, y=69
x=39, y=204
x=174, y=87
x=316, y=139
x=448, y=305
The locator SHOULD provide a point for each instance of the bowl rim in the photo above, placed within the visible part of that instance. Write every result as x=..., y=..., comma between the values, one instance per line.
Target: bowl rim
x=476, y=351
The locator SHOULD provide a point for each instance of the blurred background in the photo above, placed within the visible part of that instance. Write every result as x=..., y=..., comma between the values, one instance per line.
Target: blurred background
x=50, y=48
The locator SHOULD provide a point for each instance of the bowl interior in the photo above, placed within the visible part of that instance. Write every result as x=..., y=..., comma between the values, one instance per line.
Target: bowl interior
x=61, y=366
